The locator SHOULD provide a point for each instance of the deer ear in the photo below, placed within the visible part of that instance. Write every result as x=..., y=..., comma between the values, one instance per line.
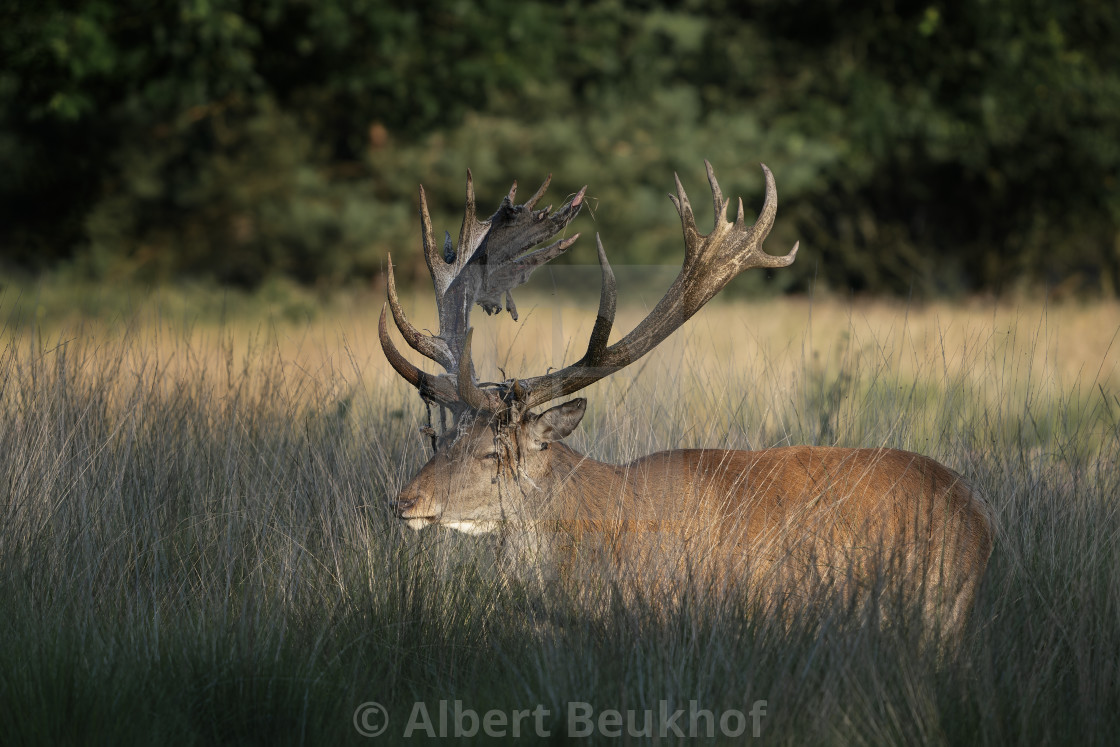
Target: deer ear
x=557, y=422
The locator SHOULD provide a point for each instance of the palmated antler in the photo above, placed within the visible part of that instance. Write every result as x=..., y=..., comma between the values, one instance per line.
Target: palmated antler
x=489, y=261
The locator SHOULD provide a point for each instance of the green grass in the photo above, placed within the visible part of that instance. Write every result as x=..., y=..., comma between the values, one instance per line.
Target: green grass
x=196, y=548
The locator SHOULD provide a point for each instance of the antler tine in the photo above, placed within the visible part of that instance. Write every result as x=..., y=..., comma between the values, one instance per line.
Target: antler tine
x=400, y=364
x=539, y=193
x=432, y=388
x=469, y=208
x=710, y=263
x=719, y=205
x=472, y=231
x=429, y=346
x=688, y=220
x=769, y=210
x=604, y=319
x=432, y=256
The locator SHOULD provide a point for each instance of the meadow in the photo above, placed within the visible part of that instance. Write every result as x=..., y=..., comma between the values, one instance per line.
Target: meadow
x=196, y=545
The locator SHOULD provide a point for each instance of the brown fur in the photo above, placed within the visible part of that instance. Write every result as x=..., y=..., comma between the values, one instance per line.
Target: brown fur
x=787, y=518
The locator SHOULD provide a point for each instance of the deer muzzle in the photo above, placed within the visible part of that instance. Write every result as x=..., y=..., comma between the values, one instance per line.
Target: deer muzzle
x=415, y=512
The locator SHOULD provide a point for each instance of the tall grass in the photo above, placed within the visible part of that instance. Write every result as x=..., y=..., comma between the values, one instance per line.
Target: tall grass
x=195, y=544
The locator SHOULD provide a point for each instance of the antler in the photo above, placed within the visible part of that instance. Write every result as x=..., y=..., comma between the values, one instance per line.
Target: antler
x=710, y=262
x=488, y=263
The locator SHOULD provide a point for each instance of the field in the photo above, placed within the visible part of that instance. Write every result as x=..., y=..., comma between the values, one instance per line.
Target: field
x=196, y=545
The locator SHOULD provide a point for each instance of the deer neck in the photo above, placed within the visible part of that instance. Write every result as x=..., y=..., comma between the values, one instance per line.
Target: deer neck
x=581, y=487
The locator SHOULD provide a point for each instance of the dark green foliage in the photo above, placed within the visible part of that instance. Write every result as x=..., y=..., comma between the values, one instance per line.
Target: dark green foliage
x=923, y=147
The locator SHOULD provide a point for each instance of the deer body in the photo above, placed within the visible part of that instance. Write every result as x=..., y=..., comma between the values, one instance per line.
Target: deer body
x=792, y=515
x=789, y=518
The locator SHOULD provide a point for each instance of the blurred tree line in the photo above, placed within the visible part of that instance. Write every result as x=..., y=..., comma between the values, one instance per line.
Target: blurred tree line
x=928, y=147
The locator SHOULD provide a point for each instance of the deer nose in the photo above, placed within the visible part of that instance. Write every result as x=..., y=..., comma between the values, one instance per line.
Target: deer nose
x=403, y=504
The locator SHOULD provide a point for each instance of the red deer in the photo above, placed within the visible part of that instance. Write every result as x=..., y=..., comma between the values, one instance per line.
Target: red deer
x=798, y=515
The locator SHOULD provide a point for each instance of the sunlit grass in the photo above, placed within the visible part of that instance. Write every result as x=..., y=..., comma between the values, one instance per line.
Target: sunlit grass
x=196, y=545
